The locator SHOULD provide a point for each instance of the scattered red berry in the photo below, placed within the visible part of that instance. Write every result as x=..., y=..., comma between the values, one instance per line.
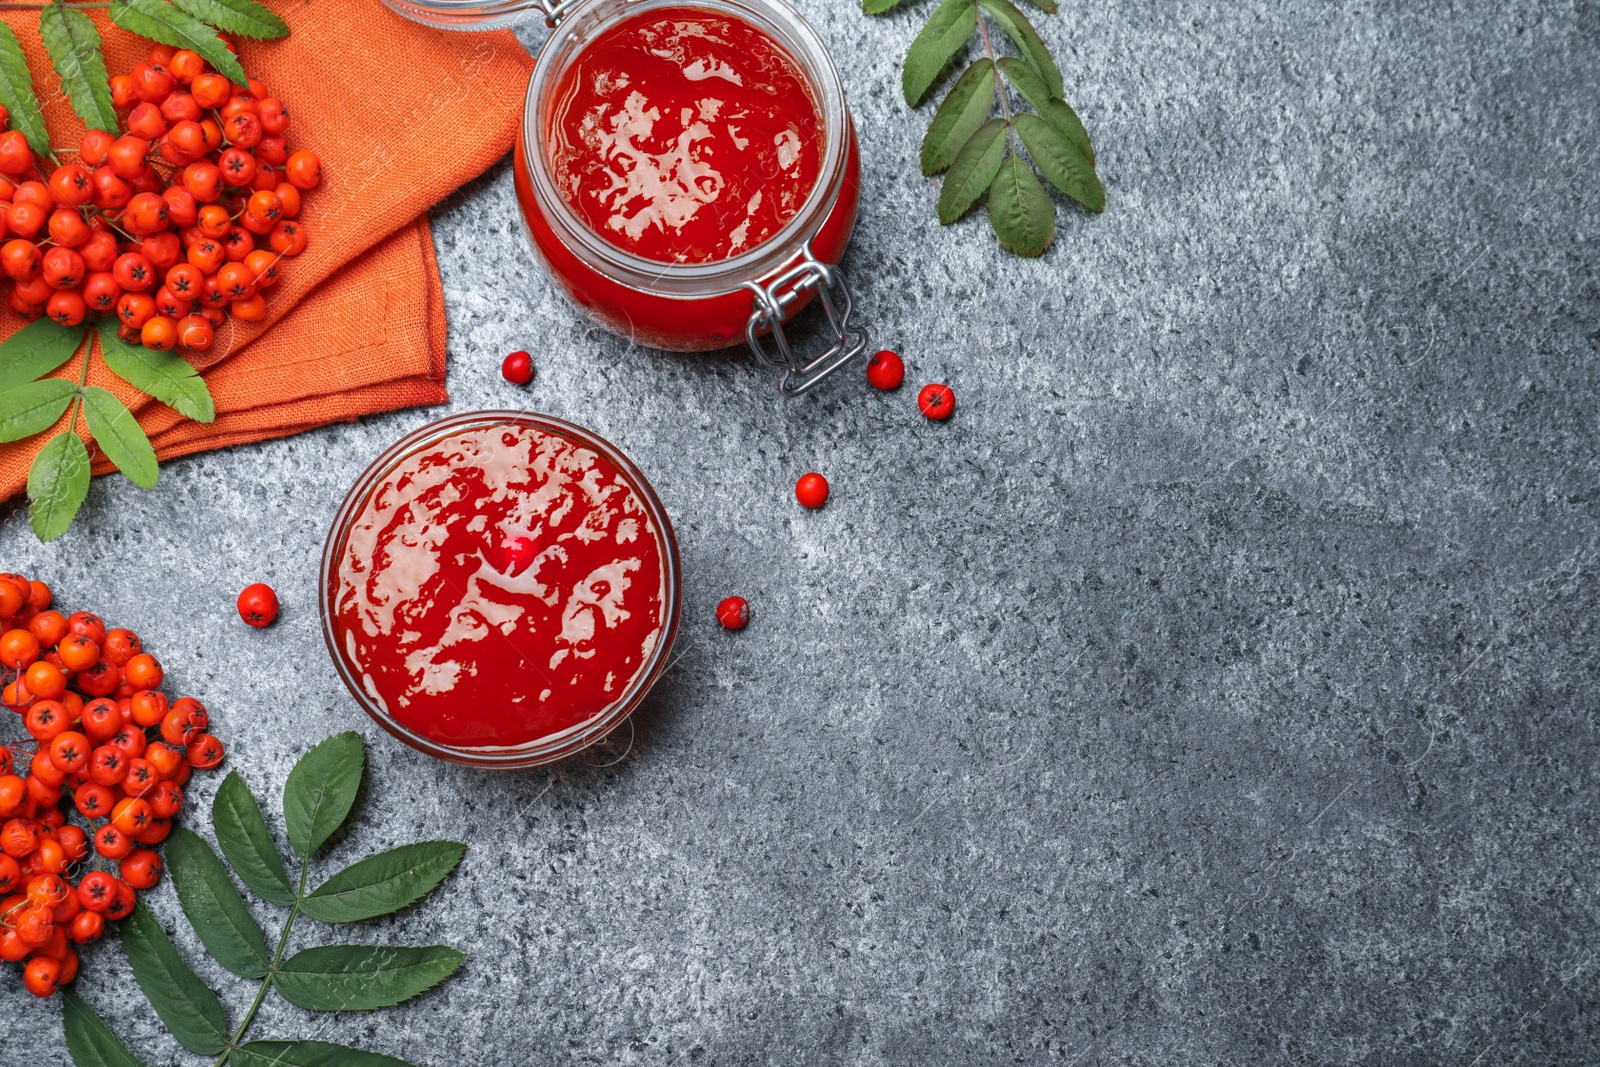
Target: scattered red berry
x=886, y=370
x=107, y=748
x=811, y=490
x=517, y=368
x=258, y=604
x=733, y=613
x=937, y=402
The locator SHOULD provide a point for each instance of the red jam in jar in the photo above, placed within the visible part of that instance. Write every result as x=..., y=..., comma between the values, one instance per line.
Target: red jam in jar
x=674, y=155
x=500, y=584
x=684, y=135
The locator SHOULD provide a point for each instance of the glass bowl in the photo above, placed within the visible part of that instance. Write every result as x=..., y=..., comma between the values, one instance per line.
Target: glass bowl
x=550, y=747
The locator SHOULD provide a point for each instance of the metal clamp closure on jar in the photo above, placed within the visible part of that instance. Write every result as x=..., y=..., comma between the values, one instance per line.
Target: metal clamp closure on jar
x=772, y=304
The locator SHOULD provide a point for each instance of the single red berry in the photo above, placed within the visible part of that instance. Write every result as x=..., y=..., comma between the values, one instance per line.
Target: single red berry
x=937, y=401
x=886, y=370
x=258, y=604
x=811, y=490
x=733, y=613
x=517, y=368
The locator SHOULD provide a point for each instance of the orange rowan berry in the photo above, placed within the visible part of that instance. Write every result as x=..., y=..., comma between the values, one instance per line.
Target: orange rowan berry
x=18, y=649
x=304, y=170
x=159, y=333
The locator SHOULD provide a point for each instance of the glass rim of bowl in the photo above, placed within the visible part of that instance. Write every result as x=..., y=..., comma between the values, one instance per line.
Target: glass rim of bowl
x=782, y=23
x=551, y=747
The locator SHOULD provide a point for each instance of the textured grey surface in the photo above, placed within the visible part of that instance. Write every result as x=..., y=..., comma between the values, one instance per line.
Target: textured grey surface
x=1218, y=686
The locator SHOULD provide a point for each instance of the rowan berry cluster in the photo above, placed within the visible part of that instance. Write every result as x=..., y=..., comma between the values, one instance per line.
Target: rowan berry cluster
x=104, y=740
x=172, y=226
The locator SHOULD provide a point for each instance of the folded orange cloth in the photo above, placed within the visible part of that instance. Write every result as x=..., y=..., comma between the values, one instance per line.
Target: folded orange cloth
x=401, y=115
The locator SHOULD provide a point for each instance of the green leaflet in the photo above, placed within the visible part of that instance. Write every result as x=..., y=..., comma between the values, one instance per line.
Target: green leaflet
x=959, y=116
x=1020, y=210
x=162, y=22
x=74, y=46
x=1047, y=6
x=383, y=883
x=321, y=790
x=1026, y=38
x=166, y=376
x=945, y=35
x=242, y=835
x=89, y=1039
x=308, y=1054
x=120, y=436
x=58, y=482
x=878, y=7
x=16, y=93
x=34, y=407
x=214, y=907
x=974, y=168
x=1058, y=113
x=36, y=350
x=362, y=977
x=188, y=1009
x=1061, y=161
x=244, y=17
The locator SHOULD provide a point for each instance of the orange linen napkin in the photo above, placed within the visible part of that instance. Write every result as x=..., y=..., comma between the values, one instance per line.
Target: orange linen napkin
x=401, y=115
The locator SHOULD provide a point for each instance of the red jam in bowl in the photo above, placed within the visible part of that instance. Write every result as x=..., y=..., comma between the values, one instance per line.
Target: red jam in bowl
x=684, y=135
x=502, y=582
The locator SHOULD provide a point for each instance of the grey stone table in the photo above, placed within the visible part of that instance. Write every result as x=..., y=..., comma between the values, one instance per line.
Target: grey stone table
x=1218, y=686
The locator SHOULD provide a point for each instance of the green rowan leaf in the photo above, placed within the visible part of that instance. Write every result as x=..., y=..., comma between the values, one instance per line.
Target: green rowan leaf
x=243, y=17
x=383, y=883
x=1061, y=161
x=964, y=109
x=973, y=169
x=1027, y=39
x=58, y=483
x=16, y=93
x=34, y=407
x=120, y=436
x=213, y=906
x=166, y=376
x=1020, y=210
x=320, y=791
x=362, y=977
x=941, y=39
x=1058, y=113
x=243, y=837
x=35, y=350
x=89, y=1039
x=74, y=46
x=186, y=1007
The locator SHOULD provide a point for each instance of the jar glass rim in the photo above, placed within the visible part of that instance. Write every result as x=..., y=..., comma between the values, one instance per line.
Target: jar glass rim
x=551, y=747
x=774, y=17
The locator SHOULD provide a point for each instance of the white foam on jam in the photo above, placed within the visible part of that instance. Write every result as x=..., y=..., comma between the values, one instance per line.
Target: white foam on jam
x=674, y=184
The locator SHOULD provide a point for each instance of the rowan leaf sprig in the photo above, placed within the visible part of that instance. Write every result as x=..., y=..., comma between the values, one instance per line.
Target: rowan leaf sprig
x=317, y=799
x=980, y=154
x=58, y=481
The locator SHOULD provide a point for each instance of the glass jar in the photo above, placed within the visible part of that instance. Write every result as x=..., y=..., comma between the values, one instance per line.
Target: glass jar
x=549, y=747
x=467, y=14
x=704, y=306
